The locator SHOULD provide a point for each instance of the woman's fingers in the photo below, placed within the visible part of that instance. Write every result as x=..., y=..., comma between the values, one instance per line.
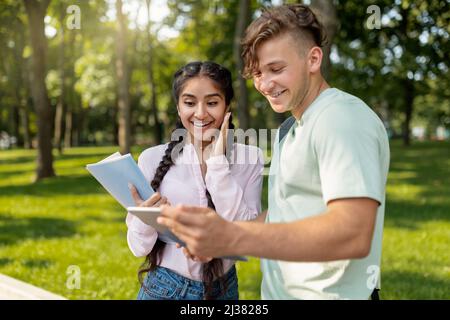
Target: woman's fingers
x=152, y=201
x=137, y=199
x=160, y=202
x=219, y=147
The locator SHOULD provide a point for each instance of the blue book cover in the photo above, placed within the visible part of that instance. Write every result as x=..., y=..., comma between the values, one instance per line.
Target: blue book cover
x=115, y=172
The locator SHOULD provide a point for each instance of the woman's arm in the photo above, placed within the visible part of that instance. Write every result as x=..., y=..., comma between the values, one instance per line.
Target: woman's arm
x=232, y=201
x=140, y=237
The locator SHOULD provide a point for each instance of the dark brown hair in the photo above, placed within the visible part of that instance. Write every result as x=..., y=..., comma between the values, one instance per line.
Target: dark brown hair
x=222, y=78
x=296, y=19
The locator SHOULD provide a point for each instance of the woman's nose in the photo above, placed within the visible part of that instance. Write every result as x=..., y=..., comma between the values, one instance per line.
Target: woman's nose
x=200, y=111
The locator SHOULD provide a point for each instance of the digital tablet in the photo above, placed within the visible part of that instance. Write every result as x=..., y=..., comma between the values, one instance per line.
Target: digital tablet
x=148, y=215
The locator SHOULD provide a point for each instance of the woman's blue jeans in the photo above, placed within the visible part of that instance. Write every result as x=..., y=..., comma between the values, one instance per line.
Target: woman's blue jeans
x=165, y=284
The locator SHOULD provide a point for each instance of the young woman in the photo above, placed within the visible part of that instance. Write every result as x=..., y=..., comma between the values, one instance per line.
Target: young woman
x=193, y=170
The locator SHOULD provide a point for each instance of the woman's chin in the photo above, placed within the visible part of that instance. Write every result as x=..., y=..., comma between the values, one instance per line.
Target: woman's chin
x=205, y=135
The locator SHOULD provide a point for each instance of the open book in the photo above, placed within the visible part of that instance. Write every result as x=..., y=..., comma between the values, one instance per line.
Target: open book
x=115, y=173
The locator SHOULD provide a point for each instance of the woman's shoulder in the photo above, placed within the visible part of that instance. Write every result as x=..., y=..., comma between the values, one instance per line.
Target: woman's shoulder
x=153, y=154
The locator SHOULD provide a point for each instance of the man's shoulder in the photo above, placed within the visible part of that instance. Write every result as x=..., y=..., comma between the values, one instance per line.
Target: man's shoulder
x=343, y=109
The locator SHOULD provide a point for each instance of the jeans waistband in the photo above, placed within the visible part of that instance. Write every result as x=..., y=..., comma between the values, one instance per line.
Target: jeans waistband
x=160, y=272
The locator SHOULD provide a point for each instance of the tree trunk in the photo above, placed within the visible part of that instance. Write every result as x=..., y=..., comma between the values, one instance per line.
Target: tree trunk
x=25, y=120
x=23, y=88
x=122, y=82
x=36, y=13
x=28, y=106
x=242, y=93
x=68, y=131
x=72, y=104
x=60, y=107
x=151, y=61
x=326, y=13
x=409, y=102
x=12, y=73
x=13, y=120
x=77, y=120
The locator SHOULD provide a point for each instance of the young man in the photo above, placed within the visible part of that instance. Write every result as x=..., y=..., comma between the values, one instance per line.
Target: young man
x=323, y=229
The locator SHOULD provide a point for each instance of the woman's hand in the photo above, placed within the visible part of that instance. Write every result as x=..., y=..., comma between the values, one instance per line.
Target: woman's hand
x=221, y=141
x=154, y=201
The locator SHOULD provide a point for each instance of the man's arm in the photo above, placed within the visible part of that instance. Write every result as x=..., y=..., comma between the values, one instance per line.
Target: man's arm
x=344, y=231
x=261, y=217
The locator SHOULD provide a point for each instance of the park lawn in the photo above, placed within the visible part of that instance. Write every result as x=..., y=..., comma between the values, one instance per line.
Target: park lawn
x=52, y=229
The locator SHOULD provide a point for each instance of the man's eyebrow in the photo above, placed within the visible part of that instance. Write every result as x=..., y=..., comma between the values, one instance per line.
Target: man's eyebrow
x=271, y=63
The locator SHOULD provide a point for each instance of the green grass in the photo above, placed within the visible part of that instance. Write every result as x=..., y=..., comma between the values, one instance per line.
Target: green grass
x=48, y=226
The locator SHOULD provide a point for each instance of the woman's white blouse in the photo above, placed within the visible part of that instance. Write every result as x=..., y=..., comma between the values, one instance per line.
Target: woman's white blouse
x=235, y=190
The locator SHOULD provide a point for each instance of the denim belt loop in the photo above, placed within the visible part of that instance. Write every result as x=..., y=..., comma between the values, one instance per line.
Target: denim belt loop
x=185, y=286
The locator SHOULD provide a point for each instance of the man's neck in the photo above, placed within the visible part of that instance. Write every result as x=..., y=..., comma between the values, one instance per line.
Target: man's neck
x=317, y=86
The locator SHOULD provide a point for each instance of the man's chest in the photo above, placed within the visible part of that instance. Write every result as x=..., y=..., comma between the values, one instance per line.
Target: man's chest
x=298, y=165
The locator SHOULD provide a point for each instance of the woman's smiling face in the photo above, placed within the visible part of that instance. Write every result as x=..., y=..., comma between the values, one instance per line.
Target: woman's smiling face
x=201, y=107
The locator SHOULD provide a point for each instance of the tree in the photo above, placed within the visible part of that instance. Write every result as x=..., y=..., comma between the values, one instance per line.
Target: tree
x=326, y=12
x=242, y=92
x=61, y=106
x=36, y=12
x=122, y=72
x=391, y=65
x=151, y=63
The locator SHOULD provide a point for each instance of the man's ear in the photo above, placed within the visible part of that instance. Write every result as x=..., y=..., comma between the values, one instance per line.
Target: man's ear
x=315, y=56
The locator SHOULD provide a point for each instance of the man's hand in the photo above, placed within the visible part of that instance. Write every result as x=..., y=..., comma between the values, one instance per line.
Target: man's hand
x=192, y=257
x=205, y=233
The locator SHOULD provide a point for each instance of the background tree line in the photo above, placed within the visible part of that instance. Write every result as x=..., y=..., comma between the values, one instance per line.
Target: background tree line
x=109, y=82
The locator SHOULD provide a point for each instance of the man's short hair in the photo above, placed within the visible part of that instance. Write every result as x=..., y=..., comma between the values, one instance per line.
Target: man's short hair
x=296, y=19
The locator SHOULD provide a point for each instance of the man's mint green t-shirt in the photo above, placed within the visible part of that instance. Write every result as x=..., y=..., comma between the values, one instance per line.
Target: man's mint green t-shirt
x=338, y=149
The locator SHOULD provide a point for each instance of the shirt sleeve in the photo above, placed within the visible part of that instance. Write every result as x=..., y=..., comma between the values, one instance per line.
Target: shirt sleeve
x=141, y=237
x=233, y=200
x=348, y=153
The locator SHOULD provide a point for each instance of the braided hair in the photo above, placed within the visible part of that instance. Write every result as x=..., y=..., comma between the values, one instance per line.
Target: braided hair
x=222, y=77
